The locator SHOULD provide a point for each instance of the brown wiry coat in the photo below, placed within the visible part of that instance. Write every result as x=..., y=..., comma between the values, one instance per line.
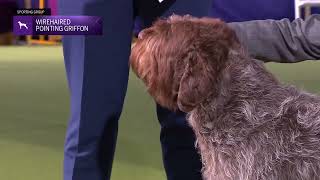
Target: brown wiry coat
x=248, y=125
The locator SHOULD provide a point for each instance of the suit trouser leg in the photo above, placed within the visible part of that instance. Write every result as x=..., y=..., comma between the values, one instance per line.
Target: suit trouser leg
x=180, y=157
x=97, y=71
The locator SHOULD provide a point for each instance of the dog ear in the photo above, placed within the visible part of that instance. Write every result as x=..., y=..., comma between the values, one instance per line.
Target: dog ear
x=203, y=63
x=196, y=82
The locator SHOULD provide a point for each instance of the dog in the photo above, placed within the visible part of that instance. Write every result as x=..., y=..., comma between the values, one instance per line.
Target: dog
x=248, y=125
x=22, y=25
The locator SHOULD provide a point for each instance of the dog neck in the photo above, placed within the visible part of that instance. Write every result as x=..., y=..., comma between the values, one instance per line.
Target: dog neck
x=241, y=75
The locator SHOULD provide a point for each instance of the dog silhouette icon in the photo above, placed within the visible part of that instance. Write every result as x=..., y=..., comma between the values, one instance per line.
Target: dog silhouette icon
x=22, y=25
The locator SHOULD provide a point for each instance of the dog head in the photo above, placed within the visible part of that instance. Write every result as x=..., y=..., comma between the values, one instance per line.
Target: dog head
x=179, y=59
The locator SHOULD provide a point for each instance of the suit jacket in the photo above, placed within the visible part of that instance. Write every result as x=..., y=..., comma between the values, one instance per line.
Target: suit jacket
x=281, y=41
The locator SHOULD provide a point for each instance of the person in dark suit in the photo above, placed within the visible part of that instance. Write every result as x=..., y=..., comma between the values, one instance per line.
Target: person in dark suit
x=97, y=72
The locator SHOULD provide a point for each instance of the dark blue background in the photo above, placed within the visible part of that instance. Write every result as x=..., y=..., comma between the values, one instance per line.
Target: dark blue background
x=245, y=10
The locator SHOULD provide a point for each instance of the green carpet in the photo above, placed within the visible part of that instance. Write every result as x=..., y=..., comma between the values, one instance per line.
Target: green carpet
x=34, y=111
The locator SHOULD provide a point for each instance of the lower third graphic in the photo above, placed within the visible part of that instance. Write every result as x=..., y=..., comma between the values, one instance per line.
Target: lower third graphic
x=57, y=25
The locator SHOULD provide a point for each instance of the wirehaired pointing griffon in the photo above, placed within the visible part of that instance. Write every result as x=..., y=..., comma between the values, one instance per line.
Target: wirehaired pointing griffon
x=248, y=125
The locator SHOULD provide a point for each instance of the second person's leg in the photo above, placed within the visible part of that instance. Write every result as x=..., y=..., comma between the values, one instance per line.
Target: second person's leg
x=180, y=157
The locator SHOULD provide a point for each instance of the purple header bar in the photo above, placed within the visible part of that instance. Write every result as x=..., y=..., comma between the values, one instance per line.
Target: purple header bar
x=57, y=25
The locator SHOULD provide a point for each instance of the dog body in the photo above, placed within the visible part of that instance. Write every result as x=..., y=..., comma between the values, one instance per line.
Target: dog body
x=254, y=128
x=22, y=25
x=248, y=125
